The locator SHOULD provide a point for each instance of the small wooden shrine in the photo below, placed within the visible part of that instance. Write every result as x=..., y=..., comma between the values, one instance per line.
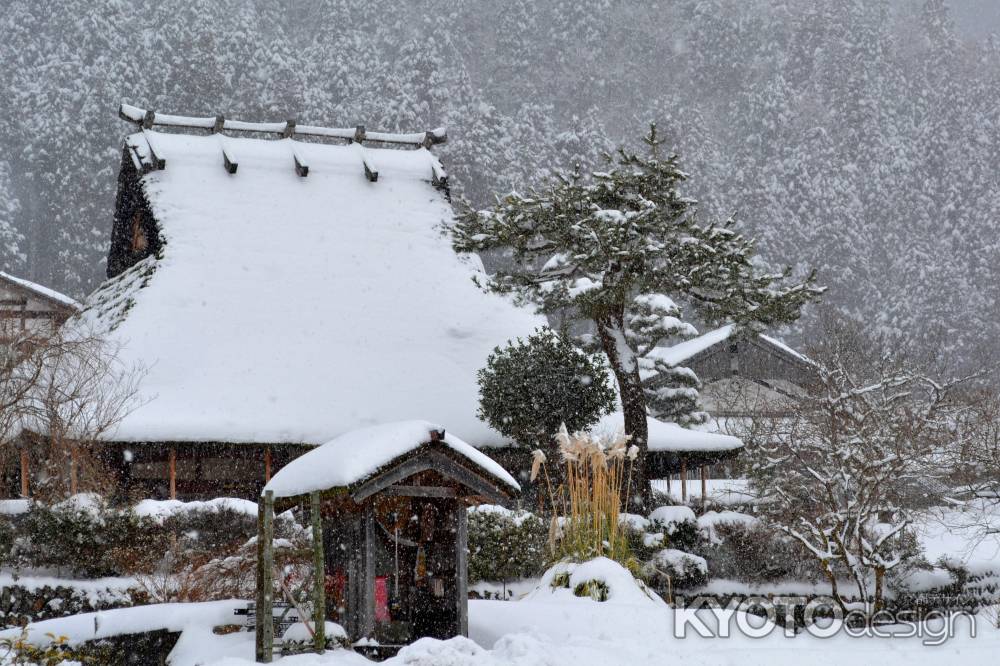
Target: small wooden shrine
x=387, y=506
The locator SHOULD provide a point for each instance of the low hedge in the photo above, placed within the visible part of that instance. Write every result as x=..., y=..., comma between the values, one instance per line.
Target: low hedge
x=506, y=545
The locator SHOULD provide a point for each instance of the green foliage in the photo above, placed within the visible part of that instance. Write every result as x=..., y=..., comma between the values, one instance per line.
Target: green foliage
x=6, y=540
x=20, y=652
x=531, y=387
x=595, y=589
x=614, y=252
x=87, y=541
x=213, y=530
x=506, y=546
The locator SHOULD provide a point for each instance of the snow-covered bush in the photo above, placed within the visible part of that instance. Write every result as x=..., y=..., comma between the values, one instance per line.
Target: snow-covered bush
x=679, y=525
x=84, y=536
x=298, y=638
x=7, y=535
x=600, y=579
x=755, y=553
x=192, y=570
x=22, y=652
x=674, y=569
x=505, y=545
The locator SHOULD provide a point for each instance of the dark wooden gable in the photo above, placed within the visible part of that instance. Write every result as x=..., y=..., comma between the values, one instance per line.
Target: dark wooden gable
x=135, y=234
x=451, y=472
x=755, y=358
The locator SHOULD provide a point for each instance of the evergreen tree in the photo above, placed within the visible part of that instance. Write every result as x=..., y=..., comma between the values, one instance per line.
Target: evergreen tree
x=612, y=250
x=530, y=388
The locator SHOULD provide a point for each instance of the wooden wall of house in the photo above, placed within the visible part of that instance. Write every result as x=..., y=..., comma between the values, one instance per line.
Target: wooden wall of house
x=753, y=359
x=22, y=312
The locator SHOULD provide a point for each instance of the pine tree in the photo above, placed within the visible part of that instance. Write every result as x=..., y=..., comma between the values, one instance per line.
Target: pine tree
x=613, y=250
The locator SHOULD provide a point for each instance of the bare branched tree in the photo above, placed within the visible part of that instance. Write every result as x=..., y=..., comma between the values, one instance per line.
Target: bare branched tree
x=844, y=467
x=61, y=395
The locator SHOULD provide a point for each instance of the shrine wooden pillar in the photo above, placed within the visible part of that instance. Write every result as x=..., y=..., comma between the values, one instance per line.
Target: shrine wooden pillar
x=319, y=574
x=25, y=474
x=684, y=480
x=264, y=638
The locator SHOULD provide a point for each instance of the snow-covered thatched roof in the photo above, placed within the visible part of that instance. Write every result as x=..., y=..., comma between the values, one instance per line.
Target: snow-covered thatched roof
x=358, y=455
x=283, y=308
x=41, y=291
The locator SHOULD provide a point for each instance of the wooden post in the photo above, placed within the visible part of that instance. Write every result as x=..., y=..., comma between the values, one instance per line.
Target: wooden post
x=462, y=568
x=319, y=574
x=668, y=483
x=264, y=641
x=684, y=480
x=267, y=464
x=25, y=489
x=704, y=486
x=73, y=480
x=172, y=472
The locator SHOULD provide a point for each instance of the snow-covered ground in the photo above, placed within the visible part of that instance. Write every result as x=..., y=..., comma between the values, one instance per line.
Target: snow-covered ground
x=549, y=626
x=546, y=625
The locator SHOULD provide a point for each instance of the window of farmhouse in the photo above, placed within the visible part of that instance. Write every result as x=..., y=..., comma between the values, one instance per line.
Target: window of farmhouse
x=139, y=242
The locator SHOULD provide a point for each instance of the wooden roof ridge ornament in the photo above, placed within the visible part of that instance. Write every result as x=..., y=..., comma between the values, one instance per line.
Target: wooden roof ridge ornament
x=144, y=155
x=229, y=160
x=371, y=171
x=147, y=119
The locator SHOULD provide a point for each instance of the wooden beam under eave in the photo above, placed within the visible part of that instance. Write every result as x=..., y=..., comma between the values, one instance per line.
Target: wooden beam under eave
x=172, y=472
x=267, y=464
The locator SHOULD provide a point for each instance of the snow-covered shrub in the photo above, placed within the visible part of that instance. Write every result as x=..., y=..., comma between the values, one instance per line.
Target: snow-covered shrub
x=673, y=569
x=7, y=535
x=755, y=553
x=600, y=579
x=505, y=545
x=20, y=651
x=213, y=527
x=298, y=639
x=192, y=571
x=679, y=525
x=84, y=536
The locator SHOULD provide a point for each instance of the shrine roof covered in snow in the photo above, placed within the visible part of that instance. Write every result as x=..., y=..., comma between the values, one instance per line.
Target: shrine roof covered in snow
x=357, y=456
x=282, y=291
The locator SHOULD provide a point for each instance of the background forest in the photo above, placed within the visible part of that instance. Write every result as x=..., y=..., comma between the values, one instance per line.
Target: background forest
x=859, y=137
